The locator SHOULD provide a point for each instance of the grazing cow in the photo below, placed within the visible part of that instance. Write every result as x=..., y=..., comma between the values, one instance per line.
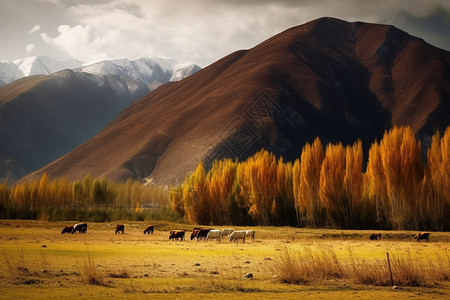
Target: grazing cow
x=214, y=234
x=177, y=234
x=120, y=228
x=149, y=229
x=422, y=236
x=375, y=236
x=80, y=227
x=250, y=234
x=238, y=235
x=67, y=229
x=194, y=233
x=226, y=232
x=202, y=234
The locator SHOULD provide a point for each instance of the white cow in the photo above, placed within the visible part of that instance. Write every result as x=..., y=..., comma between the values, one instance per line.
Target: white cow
x=237, y=235
x=214, y=234
x=226, y=232
x=250, y=234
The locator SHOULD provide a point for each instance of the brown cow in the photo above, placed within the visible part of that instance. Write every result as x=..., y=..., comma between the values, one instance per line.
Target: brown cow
x=67, y=229
x=422, y=236
x=194, y=233
x=375, y=236
x=177, y=234
x=120, y=228
x=149, y=229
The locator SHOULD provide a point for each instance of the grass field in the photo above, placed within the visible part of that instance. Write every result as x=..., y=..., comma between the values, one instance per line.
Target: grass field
x=37, y=262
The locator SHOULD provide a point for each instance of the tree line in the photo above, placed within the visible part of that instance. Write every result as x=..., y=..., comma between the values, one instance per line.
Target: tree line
x=93, y=198
x=327, y=186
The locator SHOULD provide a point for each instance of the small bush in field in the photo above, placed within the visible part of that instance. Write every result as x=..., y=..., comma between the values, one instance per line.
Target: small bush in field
x=90, y=274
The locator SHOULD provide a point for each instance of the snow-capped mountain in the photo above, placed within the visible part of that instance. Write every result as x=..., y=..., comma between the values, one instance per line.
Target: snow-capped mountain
x=44, y=65
x=9, y=72
x=34, y=65
x=150, y=71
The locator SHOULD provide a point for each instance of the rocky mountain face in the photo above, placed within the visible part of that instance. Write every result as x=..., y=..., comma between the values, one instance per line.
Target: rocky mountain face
x=44, y=116
x=337, y=80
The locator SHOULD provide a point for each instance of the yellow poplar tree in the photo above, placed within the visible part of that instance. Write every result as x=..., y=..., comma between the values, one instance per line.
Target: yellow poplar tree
x=307, y=181
x=376, y=188
x=401, y=156
x=195, y=196
x=331, y=192
x=435, y=191
x=353, y=182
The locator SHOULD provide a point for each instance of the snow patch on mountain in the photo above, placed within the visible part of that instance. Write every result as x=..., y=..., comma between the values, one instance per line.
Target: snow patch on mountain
x=9, y=72
x=37, y=65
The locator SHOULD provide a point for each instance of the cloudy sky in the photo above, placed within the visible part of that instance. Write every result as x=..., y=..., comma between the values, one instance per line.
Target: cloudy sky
x=199, y=31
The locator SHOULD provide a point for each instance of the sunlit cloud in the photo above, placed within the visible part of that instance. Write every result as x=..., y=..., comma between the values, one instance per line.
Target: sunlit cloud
x=29, y=48
x=80, y=42
x=34, y=29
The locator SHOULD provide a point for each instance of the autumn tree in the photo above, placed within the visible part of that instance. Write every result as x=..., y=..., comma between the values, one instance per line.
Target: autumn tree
x=221, y=181
x=283, y=209
x=195, y=195
x=353, y=183
x=435, y=205
x=258, y=179
x=331, y=186
x=306, y=182
x=375, y=188
x=176, y=199
x=401, y=157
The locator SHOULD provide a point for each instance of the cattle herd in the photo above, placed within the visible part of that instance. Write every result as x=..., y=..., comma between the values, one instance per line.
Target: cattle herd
x=211, y=234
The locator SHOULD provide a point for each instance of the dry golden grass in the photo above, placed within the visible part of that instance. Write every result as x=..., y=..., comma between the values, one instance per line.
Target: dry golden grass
x=38, y=262
x=308, y=264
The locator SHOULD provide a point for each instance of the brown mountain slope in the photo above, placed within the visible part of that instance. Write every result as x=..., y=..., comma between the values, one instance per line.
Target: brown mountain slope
x=329, y=78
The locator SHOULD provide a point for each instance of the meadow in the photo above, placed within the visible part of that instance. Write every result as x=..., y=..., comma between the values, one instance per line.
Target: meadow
x=38, y=262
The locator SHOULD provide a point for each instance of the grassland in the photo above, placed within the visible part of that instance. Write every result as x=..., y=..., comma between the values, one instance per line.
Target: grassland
x=37, y=262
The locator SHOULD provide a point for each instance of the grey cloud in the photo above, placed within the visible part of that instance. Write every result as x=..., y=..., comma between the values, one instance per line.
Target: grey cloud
x=200, y=31
x=132, y=9
x=434, y=28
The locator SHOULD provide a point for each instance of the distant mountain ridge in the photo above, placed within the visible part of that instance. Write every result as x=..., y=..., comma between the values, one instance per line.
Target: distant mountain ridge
x=44, y=65
x=44, y=116
x=150, y=71
x=328, y=78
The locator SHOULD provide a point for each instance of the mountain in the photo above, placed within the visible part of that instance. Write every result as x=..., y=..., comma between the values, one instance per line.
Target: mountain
x=33, y=65
x=43, y=117
x=152, y=72
x=44, y=65
x=337, y=80
x=9, y=72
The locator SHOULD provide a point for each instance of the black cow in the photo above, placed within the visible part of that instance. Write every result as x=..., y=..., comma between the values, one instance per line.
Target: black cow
x=202, y=234
x=120, y=228
x=67, y=229
x=375, y=236
x=80, y=227
x=422, y=236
